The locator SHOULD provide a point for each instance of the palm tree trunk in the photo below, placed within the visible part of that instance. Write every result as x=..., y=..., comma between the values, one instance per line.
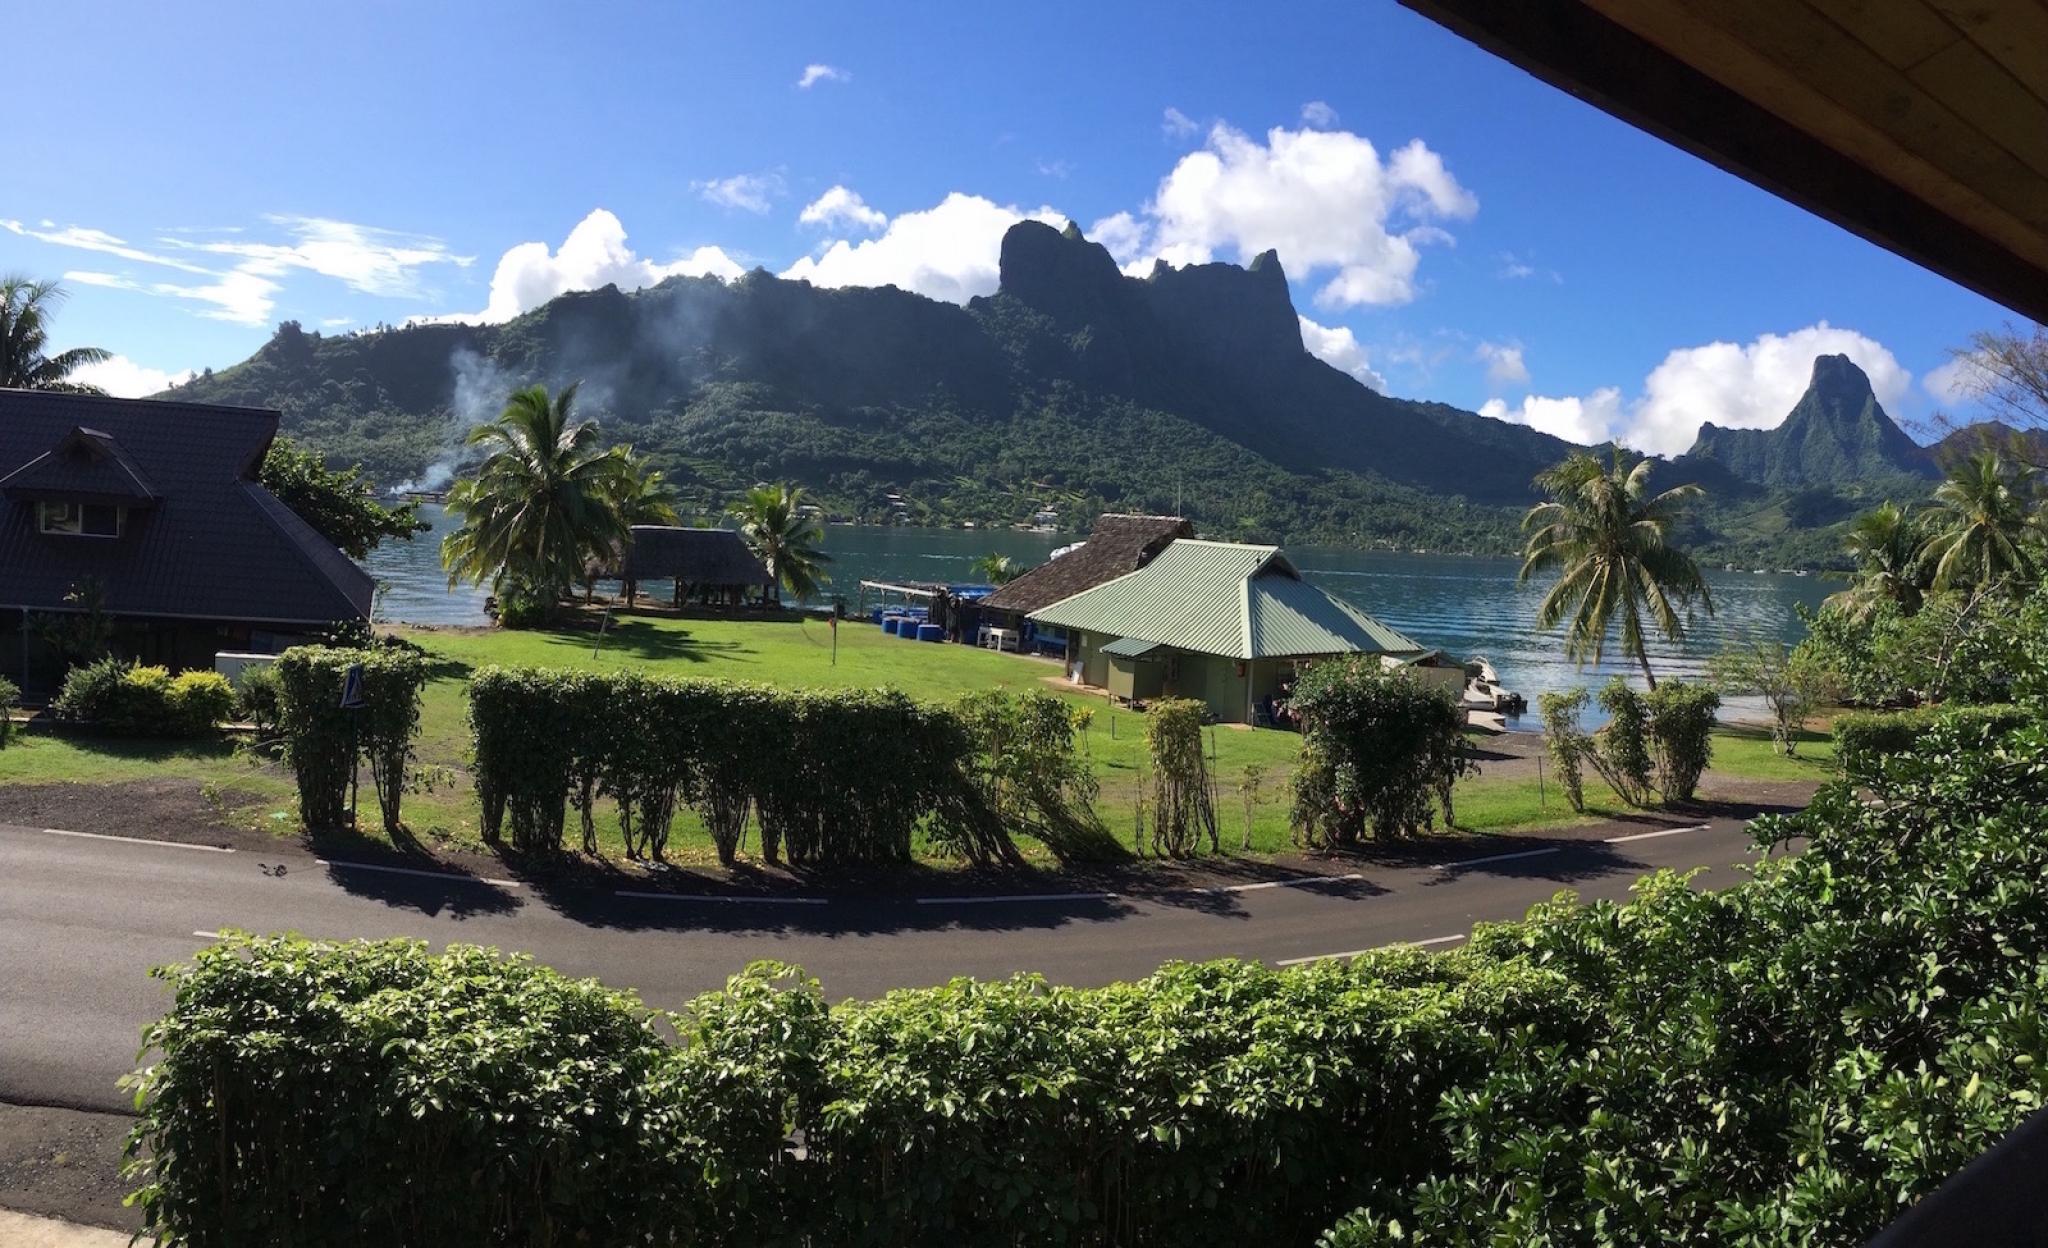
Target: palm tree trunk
x=1643, y=657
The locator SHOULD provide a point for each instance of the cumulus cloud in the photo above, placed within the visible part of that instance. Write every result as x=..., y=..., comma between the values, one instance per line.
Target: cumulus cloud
x=1338, y=347
x=595, y=254
x=841, y=208
x=1325, y=199
x=1318, y=115
x=1504, y=363
x=1587, y=420
x=749, y=192
x=1961, y=380
x=125, y=379
x=815, y=73
x=1178, y=125
x=952, y=251
x=1749, y=386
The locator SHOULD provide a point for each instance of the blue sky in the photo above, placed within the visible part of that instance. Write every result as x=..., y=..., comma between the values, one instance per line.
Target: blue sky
x=1454, y=229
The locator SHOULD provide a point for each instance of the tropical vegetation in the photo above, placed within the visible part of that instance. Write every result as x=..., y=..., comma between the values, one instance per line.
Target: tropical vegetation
x=1609, y=540
x=26, y=308
x=337, y=503
x=780, y=528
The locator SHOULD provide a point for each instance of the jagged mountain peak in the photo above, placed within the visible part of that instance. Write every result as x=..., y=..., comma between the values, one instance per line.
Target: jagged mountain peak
x=1836, y=434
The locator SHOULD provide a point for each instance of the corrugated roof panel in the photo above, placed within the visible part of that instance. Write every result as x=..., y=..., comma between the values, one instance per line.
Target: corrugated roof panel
x=1224, y=598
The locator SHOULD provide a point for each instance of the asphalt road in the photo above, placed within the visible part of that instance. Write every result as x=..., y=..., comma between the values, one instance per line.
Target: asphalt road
x=82, y=919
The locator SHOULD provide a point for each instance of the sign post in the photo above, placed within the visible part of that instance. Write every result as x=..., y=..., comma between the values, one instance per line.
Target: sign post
x=352, y=700
x=834, y=617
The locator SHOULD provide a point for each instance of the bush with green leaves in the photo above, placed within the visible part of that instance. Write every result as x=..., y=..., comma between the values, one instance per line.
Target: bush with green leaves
x=1623, y=747
x=1183, y=806
x=1566, y=743
x=1681, y=735
x=1029, y=774
x=1790, y=681
x=1957, y=647
x=321, y=740
x=10, y=698
x=259, y=697
x=1864, y=740
x=828, y=776
x=1379, y=748
x=120, y=699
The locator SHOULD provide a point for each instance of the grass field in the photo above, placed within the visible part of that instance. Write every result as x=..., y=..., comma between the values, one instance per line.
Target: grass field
x=800, y=654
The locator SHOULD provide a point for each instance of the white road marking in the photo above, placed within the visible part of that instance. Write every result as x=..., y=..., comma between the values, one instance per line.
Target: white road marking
x=429, y=875
x=1645, y=836
x=707, y=897
x=1296, y=882
x=1353, y=953
x=1474, y=862
x=133, y=840
x=207, y=935
x=976, y=901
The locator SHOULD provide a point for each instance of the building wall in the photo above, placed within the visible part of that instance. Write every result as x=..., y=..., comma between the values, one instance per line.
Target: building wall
x=1214, y=680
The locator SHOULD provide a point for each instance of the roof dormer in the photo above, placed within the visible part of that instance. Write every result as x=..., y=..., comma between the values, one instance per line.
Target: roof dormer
x=84, y=486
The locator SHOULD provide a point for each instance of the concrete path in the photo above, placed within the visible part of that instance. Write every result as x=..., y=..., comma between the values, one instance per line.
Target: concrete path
x=23, y=1230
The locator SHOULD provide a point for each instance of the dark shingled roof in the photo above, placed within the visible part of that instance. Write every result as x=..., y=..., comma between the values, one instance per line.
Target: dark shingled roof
x=212, y=544
x=695, y=556
x=1118, y=545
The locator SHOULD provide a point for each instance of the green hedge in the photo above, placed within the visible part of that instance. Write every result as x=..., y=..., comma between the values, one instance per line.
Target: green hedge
x=828, y=776
x=120, y=699
x=1792, y=1060
x=1381, y=750
x=320, y=739
x=1864, y=739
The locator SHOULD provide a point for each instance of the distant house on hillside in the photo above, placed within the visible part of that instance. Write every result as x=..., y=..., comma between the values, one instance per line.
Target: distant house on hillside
x=1218, y=621
x=709, y=567
x=156, y=509
x=1119, y=543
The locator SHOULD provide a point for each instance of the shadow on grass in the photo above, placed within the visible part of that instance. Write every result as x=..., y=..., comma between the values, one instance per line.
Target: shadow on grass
x=371, y=865
x=641, y=639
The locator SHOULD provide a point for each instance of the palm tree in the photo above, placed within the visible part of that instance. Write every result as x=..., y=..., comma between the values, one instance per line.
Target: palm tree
x=1885, y=543
x=25, y=310
x=776, y=527
x=1979, y=530
x=1611, y=543
x=642, y=497
x=997, y=569
x=543, y=502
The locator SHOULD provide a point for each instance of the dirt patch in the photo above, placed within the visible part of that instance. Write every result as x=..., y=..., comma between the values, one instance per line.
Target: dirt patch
x=161, y=810
x=65, y=1163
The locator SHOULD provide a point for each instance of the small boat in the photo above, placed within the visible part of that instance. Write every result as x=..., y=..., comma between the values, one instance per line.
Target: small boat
x=1483, y=691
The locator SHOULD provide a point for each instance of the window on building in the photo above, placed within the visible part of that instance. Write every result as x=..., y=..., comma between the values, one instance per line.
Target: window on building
x=81, y=519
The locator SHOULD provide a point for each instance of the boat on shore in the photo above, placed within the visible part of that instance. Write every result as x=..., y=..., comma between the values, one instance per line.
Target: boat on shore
x=1484, y=692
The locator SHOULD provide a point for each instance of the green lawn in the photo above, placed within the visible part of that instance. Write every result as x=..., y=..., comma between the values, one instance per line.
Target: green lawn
x=801, y=654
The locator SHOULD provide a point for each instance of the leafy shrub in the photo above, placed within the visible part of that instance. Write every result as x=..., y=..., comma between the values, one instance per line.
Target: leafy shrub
x=198, y=701
x=1377, y=747
x=321, y=739
x=831, y=776
x=1624, y=756
x=1681, y=735
x=1566, y=743
x=1790, y=681
x=10, y=697
x=1864, y=740
x=259, y=699
x=122, y=700
x=1024, y=764
x=1183, y=807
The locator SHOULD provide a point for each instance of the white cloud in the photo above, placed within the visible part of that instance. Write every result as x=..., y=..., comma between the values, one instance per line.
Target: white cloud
x=1588, y=420
x=595, y=254
x=86, y=239
x=1504, y=363
x=238, y=297
x=749, y=192
x=1961, y=380
x=1750, y=386
x=1515, y=268
x=125, y=379
x=336, y=322
x=1324, y=199
x=815, y=73
x=1338, y=347
x=1178, y=125
x=1055, y=168
x=951, y=251
x=844, y=208
x=1318, y=115
x=364, y=258
x=1739, y=386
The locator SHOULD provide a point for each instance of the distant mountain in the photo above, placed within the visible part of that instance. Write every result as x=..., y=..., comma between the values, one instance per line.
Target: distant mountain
x=2030, y=445
x=1836, y=436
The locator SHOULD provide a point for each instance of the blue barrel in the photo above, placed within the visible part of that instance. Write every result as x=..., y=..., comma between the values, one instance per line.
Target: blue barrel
x=879, y=613
x=908, y=629
x=930, y=632
x=890, y=623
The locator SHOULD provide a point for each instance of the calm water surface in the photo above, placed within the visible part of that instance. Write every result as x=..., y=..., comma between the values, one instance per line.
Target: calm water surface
x=1466, y=606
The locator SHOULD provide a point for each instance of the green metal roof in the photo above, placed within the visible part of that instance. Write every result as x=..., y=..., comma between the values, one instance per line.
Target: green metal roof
x=1130, y=648
x=1243, y=602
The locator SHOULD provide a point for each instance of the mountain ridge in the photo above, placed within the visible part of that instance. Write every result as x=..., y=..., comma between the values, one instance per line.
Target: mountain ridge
x=1837, y=432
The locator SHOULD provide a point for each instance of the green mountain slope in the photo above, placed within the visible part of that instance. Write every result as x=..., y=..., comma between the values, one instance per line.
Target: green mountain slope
x=1073, y=386
x=1837, y=433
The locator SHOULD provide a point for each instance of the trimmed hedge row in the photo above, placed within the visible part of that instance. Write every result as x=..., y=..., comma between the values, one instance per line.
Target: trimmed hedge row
x=322, y=1093
x=1864, y=739
x=120, y=699
x=320, y=739
x=828, y=776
